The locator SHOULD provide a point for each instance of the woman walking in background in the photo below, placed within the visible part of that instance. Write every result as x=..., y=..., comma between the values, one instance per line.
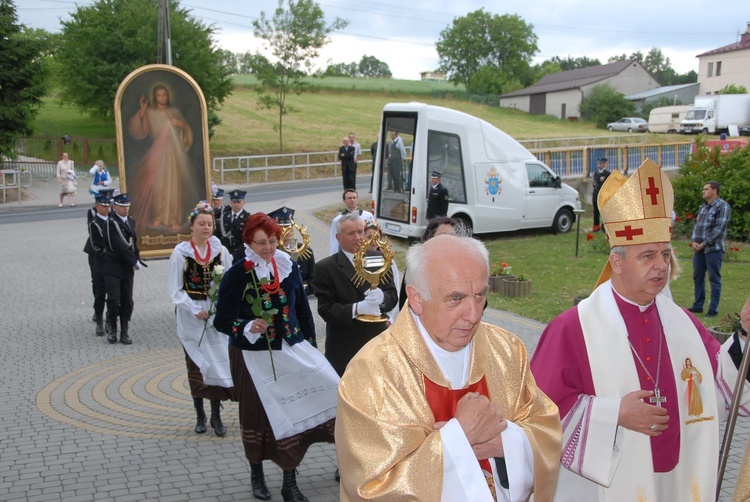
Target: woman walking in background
x=66, y=178
x=192, y=267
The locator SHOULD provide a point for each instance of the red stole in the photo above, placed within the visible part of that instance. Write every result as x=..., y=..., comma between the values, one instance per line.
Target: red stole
x=443, y=402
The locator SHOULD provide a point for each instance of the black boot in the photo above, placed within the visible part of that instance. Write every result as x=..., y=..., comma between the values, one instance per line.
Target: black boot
x=216, y=424
x=200, y=415
x=99, y=326
x=124, y=337
x=112, y=331
x=289, y=489
x=258, y=482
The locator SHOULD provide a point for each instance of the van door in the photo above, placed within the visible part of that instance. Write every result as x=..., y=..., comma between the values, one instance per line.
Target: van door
x=395, y=166
x=542, y=196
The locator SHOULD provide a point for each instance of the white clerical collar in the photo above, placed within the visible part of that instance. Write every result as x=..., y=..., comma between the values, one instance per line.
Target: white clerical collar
x=453, y=365
x=641, y=307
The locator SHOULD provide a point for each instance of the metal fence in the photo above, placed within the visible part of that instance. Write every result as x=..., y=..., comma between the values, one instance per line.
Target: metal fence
x=578, y=162
x=567, y=162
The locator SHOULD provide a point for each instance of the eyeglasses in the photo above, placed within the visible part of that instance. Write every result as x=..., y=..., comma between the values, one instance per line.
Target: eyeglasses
x=272, y=243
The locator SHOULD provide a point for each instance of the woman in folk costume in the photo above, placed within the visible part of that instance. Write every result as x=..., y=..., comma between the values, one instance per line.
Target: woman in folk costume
x=286, y=389
x=192, y=268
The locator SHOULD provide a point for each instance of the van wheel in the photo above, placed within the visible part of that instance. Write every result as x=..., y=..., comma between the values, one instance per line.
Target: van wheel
x=466, y=221
x=671, y=131
x=704, y=131
x=563, y=221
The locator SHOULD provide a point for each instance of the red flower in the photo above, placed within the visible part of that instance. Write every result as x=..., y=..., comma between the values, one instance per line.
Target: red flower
x=677, y=219
x=689, y=216
x=249, y=265
x=589, y=237
x=596, y=228
x=504, y=265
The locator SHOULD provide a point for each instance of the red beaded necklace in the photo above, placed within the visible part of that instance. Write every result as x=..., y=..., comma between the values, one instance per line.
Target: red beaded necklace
x=273, y=287
x=203, y=260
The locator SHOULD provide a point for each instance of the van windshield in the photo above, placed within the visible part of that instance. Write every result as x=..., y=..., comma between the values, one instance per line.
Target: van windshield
x=695, y=115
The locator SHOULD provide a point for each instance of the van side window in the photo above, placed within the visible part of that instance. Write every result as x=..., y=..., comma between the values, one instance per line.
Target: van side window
x=444, y=156
x=539, y=176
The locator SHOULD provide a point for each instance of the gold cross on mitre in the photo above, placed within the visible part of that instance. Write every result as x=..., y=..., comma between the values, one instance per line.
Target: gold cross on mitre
x=636, y=210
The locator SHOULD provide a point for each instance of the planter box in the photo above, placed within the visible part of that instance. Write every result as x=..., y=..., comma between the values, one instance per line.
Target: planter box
x=721, y=336
x=515, y=288
x=496, y=282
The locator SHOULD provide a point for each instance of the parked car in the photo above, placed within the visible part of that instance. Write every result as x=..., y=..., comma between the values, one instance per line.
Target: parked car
x=745, y=130
x=628, y=124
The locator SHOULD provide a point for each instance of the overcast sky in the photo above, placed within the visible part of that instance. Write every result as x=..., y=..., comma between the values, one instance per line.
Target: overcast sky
x=403, y=34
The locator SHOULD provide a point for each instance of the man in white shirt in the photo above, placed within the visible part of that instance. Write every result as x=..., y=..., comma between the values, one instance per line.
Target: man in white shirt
x=351, y=201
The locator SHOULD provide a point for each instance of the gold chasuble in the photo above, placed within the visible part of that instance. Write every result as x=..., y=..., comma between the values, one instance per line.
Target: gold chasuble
x=387, y=446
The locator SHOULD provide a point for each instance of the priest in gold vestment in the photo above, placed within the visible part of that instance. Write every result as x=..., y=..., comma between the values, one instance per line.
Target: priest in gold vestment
x=442, y=406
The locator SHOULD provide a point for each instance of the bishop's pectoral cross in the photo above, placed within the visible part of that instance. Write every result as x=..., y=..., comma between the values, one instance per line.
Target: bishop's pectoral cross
x=657, y=398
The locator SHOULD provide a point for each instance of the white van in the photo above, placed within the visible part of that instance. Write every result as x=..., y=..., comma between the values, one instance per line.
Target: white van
x=494, y=183
x=666, y=119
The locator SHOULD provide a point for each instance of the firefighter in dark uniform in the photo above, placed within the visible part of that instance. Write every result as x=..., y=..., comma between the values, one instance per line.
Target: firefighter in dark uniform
x=120, y=261
x=97, y=227
x=306, y=261
x=89, y=250
x=600, y=176
x=437, y=197
x=232, y=222
x=217, y=203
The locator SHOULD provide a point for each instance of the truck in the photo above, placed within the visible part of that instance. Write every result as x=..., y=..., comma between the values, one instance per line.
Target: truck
x=494, y=184
x=666, y=119
x=714, y=114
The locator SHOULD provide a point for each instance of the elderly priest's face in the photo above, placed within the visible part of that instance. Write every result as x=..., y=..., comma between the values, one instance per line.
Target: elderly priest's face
x=642, y=271
x=457, y=290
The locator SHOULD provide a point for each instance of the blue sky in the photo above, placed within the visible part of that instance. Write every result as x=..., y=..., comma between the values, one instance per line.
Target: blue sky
x=404, y=35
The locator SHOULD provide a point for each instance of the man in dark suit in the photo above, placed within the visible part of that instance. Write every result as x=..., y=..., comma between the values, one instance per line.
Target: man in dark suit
x=373, y=152
x=437, y=197
x=120, y=261
x=600, y=176
x=231, y=223
x=97, y=226
x=348, y=167
x=340, y=301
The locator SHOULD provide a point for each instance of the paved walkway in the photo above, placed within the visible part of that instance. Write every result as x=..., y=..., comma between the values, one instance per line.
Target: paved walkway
x=85, y=420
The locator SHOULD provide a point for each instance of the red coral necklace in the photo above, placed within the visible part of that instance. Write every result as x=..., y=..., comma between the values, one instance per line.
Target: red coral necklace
x=273, y=287
x=203, y=260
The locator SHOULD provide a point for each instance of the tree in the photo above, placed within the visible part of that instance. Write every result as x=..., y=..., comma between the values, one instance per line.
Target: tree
x=372, y=67
x=659, y=66
x=733, y=89
x=604, y=104
x=105, y=41
x=570, y=63
x=341, y=70
x=23, y=79
x=294, y=36
x=506, y=43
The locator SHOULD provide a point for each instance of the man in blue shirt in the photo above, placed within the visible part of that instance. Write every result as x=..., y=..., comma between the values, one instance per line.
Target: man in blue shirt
x=707, y=242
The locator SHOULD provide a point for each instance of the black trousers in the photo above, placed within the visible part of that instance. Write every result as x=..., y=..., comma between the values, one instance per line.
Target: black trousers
x=100, y=287
x=119, y=298
x=350, y=177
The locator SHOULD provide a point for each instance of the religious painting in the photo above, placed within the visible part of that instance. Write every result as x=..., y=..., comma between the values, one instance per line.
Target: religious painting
x=162, y=141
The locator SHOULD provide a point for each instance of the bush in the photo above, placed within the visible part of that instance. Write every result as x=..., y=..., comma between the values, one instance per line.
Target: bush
x=732, y=170
x=605, y=104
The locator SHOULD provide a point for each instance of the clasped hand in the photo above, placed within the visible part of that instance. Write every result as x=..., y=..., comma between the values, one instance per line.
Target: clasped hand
x=482, y=423
x=371, y=304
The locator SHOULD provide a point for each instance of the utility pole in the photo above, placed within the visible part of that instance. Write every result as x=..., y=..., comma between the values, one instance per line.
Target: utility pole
x=164, y=37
